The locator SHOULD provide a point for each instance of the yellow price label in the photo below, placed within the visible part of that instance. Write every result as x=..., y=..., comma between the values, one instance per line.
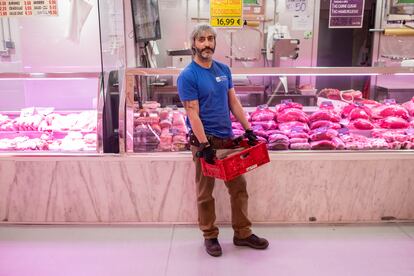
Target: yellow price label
x=219, y=21
x=226, y=13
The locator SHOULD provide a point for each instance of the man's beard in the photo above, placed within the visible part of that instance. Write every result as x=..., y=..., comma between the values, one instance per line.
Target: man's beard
x=199, y=53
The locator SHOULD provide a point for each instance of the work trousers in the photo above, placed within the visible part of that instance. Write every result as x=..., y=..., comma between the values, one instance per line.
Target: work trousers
x=206, y=203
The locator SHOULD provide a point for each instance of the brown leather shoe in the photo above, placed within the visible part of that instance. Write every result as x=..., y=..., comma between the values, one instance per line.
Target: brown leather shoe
x=213, y=247
x=252, y=241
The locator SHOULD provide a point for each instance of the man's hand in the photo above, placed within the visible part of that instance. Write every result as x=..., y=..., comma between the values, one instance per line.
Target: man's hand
x=249, y=134
x=208, y=153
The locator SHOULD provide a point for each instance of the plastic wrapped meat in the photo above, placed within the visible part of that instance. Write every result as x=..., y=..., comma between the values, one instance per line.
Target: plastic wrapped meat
x=330, y=93
x=323, y=134
x=298, y=140
x=295, y=134
x=395, y=145
x=325, y=123
x=300, y=146
x=293, y=114
x=261, y=139
x=236, y=125
x=263, y=113
x=390, y=110
x=393, y=123
x=359, y=113
x=238, y=132
x=361, y=124
x=278, y=146
x=339, y=144
x=325, y=115
x=278, y=138
x=246, y=114
x=276, y=131
x=166, y=123
x=287, y=105
x=145, y=139
x=379, y=143
x=178, y=119
x=289, y=126
x=351, y=94
x=323, y=145
x=407, y=105
x=266, y=125
x=259, y=131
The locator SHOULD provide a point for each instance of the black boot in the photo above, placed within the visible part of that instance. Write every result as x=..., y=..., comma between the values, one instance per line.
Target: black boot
x=213, y=247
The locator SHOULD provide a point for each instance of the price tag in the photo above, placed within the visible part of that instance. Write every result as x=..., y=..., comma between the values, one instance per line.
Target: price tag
x=298, y=129
x=285, y=101
x=343, y=131
x=27, y=112
x=410, y=131
x=228, y=14
x=390, y=101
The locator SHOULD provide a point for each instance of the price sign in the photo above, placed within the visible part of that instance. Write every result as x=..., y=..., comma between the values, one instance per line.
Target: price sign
x=296, y=5
x=11, y=8
x=226, y=13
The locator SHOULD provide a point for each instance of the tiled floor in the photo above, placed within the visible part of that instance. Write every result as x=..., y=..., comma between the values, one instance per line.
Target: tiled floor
x=386, y=249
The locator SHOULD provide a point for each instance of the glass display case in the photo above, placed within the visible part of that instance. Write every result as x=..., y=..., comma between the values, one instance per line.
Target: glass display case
x=319, y=108
x=59, y=78
x=51, y=112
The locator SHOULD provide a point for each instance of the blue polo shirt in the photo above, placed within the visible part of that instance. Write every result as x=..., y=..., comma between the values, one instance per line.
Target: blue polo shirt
x=210, y=87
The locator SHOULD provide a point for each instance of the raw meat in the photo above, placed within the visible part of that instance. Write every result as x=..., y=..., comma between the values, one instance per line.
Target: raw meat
x=289, y=126
x=293, y=114
x=294, y=134
x=393, y=123
x=322, y=145
x=339, y=144
x=278, y=138
x=298, y=140
x=263, y=113
x=287, y=105
x=325, y=123
x=278, y=146
x=236, y=125
x=324, y=115
x=323, y=134
x=300, y=146
x=390, y=110
x=266, y=125
x=361, y=124
x=407, y=105
x=359, y=113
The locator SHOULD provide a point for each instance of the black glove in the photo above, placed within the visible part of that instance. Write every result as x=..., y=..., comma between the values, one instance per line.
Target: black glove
x=249, y=134
x=208, y=153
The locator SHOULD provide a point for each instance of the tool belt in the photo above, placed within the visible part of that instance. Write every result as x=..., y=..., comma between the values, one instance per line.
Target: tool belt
x=215, y=142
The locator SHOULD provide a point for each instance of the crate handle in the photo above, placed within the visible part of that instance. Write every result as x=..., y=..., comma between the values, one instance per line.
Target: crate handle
x=244, y=156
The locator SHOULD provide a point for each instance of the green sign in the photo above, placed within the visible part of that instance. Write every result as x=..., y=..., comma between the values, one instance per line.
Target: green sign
x=405, y=1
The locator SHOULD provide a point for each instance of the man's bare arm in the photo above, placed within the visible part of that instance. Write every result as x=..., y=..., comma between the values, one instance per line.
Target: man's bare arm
x=193, y=110
x=237, y=109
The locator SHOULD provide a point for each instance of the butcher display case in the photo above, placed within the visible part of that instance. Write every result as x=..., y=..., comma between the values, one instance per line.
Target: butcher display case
x=50, y=113
x=346, y=112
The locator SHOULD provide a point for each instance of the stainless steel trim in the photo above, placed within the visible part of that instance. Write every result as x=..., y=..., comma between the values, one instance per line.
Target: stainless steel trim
x=286, y=71
x=102, y=90
x=84, y=75
x=316, y=19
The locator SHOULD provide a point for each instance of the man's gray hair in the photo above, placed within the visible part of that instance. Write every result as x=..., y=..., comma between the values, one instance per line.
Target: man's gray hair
x=199, y=29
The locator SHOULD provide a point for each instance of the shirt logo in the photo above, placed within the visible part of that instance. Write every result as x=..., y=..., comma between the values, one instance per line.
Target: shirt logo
x=221, y=78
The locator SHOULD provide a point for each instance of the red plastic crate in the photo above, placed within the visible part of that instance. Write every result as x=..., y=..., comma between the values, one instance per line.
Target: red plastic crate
x=238, y=163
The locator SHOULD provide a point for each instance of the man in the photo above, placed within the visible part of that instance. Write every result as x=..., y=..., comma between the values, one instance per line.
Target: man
x=206, y=89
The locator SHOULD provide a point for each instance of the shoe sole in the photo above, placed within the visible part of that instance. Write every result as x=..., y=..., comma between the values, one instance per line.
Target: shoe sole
x=214, y=254
x=250, y=245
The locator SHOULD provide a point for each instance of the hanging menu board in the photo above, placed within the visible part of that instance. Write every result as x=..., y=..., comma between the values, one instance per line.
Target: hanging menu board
x=226, y=13
x=11, y=8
